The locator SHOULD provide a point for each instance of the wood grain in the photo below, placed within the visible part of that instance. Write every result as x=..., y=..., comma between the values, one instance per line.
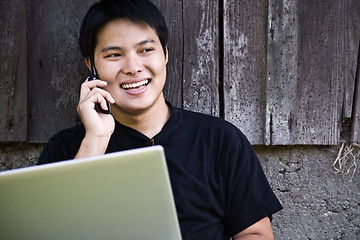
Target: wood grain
x=201, y=56
x=326, y=71
x=282, y=72
x=172, y=11
x=13, y=71
x=56, y=68
x=311, y=65
x=245, y=66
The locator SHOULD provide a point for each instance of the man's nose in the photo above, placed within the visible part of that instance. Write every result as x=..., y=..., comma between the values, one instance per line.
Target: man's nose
x=132, y=65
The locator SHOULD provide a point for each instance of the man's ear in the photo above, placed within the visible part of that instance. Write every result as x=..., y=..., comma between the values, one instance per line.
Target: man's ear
x=88, y=63
x=166, y=55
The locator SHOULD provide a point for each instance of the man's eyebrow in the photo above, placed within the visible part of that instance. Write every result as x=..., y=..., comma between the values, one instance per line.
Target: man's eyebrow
x=145, y=42
x=109, y=48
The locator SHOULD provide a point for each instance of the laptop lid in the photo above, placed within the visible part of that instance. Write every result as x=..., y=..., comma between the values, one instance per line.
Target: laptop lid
x=123, y=195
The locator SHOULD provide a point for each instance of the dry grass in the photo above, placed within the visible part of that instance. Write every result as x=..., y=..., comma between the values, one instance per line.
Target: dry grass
x=347, y=159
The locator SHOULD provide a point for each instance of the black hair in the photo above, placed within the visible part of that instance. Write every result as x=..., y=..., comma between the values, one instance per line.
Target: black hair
x=107, y=10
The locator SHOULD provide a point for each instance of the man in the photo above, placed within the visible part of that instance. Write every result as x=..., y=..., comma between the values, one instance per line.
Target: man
x=219, y=187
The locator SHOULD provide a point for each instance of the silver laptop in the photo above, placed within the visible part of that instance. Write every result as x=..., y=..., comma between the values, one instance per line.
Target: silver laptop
x=123, y=195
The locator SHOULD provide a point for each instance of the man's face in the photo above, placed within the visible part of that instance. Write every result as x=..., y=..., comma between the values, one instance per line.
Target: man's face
x=130, y=58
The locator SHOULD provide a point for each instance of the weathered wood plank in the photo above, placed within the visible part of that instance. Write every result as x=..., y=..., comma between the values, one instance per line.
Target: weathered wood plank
x=310, y=69
x=245, y=66
x=282, y=71
x=354, y=37
x=348, y=41
x=355, y=127
x=56, y=68
x=324, y=71
x=13, y=71
x=172, y=11
x=201, y=56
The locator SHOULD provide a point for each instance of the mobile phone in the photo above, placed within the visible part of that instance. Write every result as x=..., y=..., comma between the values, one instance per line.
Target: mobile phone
x=98, y=108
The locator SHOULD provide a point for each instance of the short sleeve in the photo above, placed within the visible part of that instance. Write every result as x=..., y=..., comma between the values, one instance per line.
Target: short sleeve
x=249, y=197
x=62, y=146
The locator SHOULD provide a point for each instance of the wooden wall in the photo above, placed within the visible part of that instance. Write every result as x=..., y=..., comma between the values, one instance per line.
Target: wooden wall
x=13, y=80
x=285, y=72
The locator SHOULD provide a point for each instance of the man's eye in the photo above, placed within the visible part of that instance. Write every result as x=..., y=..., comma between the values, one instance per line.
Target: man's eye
x=113, y=55
x=146, y=50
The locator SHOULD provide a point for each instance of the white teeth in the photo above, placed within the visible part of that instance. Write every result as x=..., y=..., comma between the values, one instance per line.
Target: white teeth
x=135, y=85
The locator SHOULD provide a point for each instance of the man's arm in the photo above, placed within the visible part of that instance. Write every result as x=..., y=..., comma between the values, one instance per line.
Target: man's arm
x=259, y=230
x=98, y=126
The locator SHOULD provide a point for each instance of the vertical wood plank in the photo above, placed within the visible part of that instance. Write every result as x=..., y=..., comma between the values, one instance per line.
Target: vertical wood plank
x=245, y=66
x=348, y=42
x=13, y=71
x=172, y=11
x=201, y=56
x=355, y=127
x=311, y=66
x=324, y=67
x=56, y=68
x=354, y=37
x=282, y=71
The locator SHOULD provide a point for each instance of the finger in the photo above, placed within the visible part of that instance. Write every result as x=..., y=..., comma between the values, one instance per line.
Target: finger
x=105, y=94
x=101, y=102
x=94, y=83
x=98, y=95
x=104, y=105
x=87, y=86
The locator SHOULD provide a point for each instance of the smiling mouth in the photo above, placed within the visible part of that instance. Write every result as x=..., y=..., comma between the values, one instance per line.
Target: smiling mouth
x=129, y=86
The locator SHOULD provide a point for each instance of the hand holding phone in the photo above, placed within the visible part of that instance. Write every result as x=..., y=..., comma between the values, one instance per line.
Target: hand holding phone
x=99, y=127
x=98, y=108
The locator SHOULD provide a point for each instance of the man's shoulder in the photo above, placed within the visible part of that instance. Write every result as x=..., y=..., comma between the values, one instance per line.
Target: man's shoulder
x=206, y=120
x=63, y=145
x=210, y=125
x=70, y=134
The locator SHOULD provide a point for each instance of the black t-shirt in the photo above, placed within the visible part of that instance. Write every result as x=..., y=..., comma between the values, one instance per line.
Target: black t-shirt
x=218, y=184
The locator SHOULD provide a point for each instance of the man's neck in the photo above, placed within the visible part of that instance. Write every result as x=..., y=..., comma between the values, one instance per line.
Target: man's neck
x=149, y=122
